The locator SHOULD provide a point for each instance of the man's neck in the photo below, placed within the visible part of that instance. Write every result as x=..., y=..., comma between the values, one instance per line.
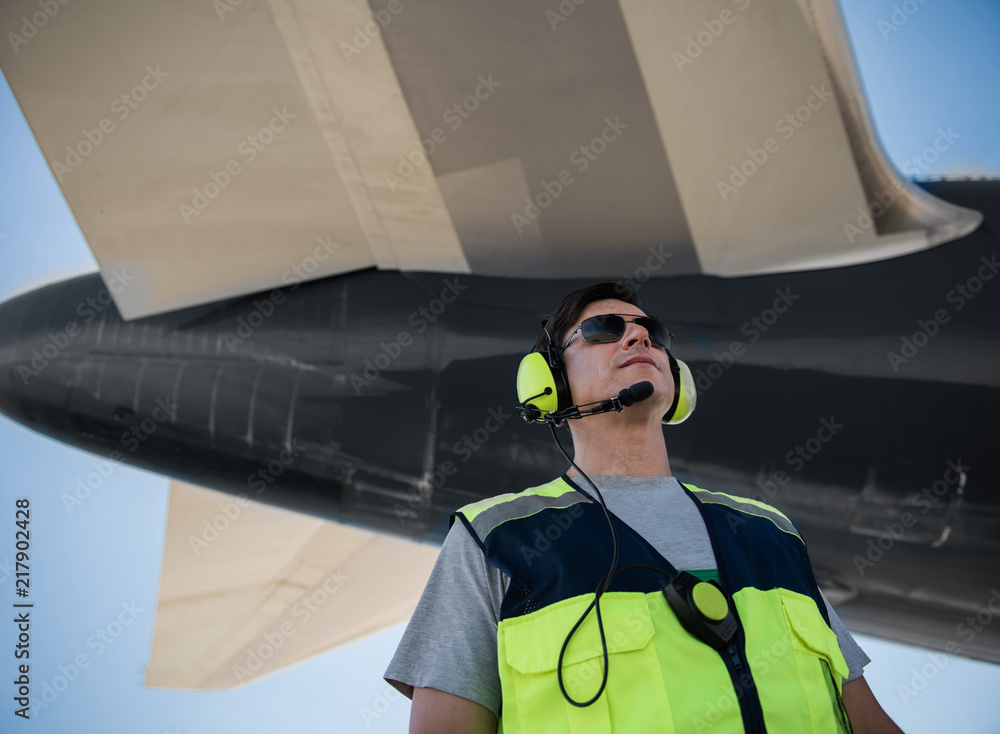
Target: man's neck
x=633, y=449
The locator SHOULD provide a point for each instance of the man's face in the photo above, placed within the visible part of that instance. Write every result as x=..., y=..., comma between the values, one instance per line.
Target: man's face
x=599, y=371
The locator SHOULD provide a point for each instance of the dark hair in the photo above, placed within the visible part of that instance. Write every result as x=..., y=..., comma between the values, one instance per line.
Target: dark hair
x=572, y=305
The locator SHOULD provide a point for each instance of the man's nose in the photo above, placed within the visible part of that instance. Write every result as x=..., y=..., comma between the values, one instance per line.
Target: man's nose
x=636, y=334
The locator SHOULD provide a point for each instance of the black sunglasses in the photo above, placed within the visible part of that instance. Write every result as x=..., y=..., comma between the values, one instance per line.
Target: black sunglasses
x=610, y=327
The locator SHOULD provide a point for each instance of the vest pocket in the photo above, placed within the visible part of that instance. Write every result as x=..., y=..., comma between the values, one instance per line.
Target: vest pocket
x=529, y=657
x=821, y=665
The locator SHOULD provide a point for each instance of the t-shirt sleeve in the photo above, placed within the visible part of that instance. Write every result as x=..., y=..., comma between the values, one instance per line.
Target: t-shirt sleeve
x=450, y=642
x=853, y=654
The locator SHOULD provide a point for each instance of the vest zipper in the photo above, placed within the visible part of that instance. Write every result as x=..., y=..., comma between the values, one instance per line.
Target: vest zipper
x=734, y=655
x=753, y=715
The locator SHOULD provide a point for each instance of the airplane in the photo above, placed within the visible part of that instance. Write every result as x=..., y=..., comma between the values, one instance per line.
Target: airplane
x=327, y=235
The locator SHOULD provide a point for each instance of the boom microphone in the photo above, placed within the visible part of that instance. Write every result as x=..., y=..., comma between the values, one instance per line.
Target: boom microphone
x=626, y=397
x=636, y=394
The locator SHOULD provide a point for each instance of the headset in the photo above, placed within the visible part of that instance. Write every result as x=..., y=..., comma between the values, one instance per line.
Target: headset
x=544, y=395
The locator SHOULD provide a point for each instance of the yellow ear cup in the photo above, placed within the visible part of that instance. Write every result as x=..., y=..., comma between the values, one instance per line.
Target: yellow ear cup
x=533, y=376
x=687, y=394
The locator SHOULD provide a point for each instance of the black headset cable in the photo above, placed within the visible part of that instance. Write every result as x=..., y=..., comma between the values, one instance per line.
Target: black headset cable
x=602, y=586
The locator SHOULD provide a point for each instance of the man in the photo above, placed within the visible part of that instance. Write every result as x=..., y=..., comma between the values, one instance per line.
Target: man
x=525, y=642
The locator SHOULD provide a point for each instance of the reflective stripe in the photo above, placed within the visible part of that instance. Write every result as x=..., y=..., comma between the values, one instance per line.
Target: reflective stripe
x=489, y=513
x=471, y=511
x=486, y=515
x=748, y=506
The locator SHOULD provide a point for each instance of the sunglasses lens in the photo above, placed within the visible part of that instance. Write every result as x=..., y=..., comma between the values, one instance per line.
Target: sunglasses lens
x=659, y=335
x=602, y=329
x=610, y=327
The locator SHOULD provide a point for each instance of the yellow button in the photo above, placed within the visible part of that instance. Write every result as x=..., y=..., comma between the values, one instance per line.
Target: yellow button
x=710, y=601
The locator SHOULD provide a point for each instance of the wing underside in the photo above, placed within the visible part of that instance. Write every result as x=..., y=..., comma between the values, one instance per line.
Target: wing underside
x=249, y=589
x=283, y=140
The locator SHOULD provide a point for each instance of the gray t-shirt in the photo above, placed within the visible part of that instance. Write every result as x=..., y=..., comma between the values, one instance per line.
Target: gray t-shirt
x=450, y=642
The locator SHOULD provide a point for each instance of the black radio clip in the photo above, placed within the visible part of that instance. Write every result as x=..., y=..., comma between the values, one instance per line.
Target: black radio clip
x=703, y=608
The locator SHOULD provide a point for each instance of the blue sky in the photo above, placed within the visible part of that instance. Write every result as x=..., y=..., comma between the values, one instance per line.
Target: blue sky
x=937, y=69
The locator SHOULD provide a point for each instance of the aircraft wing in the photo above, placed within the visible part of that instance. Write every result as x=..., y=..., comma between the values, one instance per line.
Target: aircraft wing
x=249, y=589
x=215, y=149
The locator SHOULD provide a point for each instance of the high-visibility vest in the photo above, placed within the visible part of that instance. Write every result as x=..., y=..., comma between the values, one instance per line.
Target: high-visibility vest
x=782, y=672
